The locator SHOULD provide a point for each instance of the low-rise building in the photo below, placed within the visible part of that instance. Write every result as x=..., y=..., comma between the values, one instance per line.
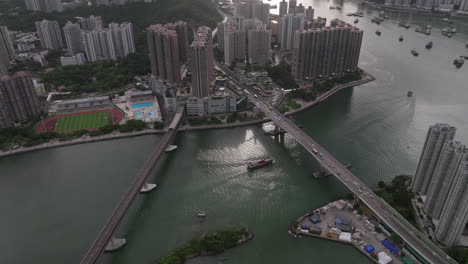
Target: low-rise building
x=69, y=105
x=140, y=96
x=77, y=59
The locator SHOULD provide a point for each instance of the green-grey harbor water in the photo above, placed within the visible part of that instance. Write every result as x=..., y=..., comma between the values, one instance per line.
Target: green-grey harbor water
x=54, y=202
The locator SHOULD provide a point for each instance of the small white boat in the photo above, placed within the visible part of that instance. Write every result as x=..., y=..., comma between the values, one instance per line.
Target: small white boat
x=171, y=148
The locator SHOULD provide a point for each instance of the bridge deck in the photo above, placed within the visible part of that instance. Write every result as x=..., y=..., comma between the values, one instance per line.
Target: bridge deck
x=112, y=223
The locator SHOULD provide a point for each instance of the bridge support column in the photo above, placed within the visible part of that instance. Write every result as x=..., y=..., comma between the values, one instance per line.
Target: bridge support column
x=114, y=244
x=323, y=172
x=147, y=187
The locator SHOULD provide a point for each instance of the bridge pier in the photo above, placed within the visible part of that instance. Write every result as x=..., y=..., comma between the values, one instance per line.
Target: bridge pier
x=323, y=172
x=147, y=187
x=114, y=244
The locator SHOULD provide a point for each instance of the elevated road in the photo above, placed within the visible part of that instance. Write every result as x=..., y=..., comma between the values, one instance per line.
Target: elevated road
x=413, y=237
x=112, y=223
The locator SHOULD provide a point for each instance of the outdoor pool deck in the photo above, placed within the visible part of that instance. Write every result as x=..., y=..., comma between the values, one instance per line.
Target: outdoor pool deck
x=362, y=233
x=146, y=111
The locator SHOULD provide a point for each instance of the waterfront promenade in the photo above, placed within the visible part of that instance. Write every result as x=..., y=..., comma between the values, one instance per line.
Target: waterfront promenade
x=117, y=135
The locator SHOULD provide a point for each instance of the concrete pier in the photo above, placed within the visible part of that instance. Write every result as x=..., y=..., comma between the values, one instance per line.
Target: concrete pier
x=114, y=244
x=147, y=187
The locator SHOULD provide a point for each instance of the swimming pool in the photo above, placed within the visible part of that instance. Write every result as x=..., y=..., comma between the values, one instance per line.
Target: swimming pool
x=141, y=105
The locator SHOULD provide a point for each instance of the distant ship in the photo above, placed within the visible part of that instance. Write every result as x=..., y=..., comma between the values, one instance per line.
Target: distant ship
x=425, y=29
x=400, y=38
x=459, y=62
x=429, y=45
x=378, y=32
x=259, y=164
x=414, y=52
x=401, y=24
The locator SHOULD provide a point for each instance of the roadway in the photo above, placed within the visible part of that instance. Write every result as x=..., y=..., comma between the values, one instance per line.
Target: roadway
x=386, y=214
x=113, y=222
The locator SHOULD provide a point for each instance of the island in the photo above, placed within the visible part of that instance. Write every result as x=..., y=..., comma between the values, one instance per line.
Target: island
x=207, y=245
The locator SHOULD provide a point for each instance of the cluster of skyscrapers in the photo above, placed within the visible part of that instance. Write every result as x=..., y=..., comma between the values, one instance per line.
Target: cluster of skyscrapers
x=88, y=36
x=242, y=38
x=326, y=52
x=7, y=51
x=442, y=180
x=18, y=99
x=44, y=5
x=168, y=50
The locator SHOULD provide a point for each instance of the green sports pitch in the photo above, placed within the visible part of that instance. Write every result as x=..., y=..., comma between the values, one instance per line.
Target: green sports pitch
x=79, y=122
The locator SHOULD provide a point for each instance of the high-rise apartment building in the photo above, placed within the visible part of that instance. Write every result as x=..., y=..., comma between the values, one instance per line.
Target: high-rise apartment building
x=259, y=46
x=122, y=37
x=180, y=27
x=102, y=2
x=91, y=23
x=290, y=23
x=425, y=4
x=292, y=3
x=463, y=6
x=442, y=181
x=450, y=165
x=44, y=5
x=53, y=6
x=5, y=40
x=234, y=44
x=49, y=34
x=262, y=12
x=454, y=216
x=331, y=51
x=319, y=22
x=310, y=12
x=164, y=53
x=437, y=136
x=243, y=9
x=300, y=9
x=283, y=8
x=201, y=61
x=73, y=38
x=18, y=99
x=4, y=60
x=99, y=45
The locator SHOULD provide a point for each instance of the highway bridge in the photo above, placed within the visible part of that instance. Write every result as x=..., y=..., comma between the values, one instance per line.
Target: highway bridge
x=412, y=236
x=105, y=236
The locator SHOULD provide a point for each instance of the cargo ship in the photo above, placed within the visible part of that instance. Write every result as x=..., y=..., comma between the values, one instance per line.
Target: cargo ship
x=259, y=164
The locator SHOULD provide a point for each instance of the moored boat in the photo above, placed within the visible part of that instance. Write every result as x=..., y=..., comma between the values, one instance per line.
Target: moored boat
x=459, y=62
x=259, y=164
x=429, y=45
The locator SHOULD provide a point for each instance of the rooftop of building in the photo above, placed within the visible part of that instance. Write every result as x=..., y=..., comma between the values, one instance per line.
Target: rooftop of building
x=83, y=100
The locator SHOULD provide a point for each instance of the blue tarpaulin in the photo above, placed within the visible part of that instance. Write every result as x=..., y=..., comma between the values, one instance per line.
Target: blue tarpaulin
x=369, y=248
x=315, y=219
x=390, y=246
x=305, y=227
x=340, y=221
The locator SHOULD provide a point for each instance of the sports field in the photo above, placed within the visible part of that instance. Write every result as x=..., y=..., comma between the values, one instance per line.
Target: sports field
x=79, y=122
